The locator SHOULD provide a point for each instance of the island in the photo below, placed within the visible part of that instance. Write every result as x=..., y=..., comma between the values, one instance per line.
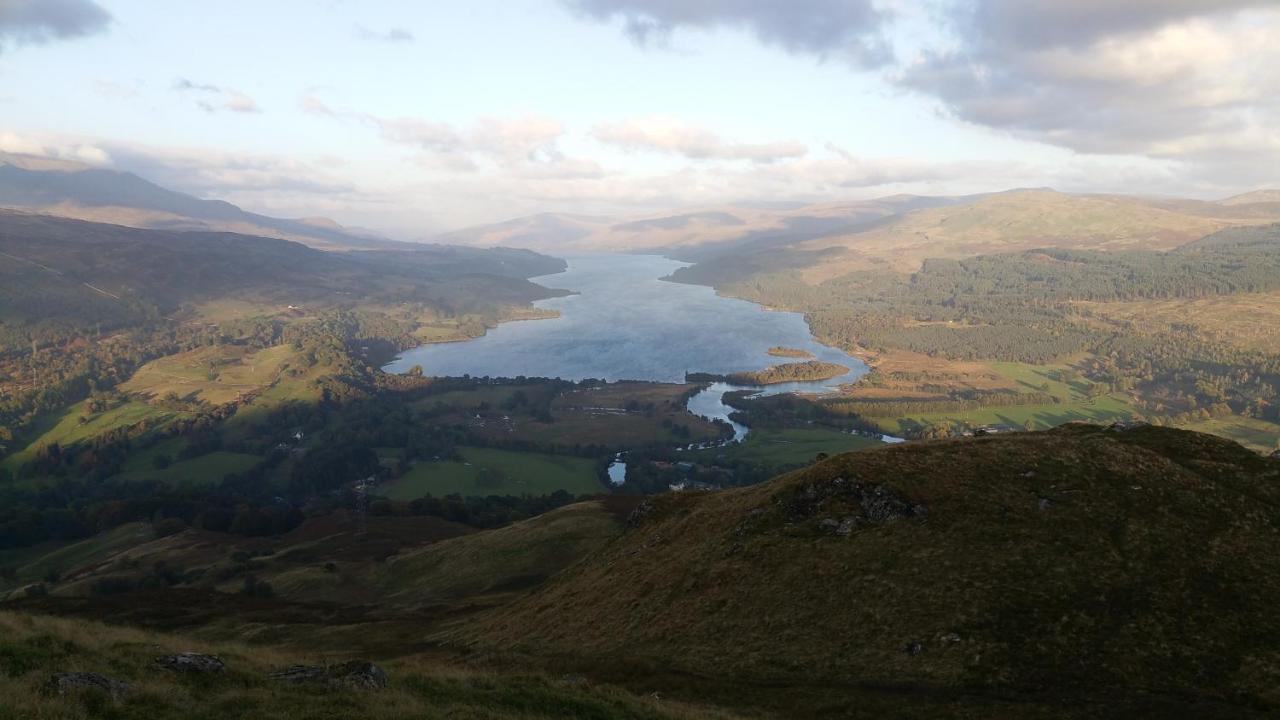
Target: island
x=809, y=371
x=789, y=352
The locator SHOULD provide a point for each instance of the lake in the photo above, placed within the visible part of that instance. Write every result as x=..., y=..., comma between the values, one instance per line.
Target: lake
x=625, y=323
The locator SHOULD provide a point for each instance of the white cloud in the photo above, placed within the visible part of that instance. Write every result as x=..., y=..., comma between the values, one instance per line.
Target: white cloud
x=392, y=35
x=670, y=135
x=848, y=29
x=53, y=147
x=212, y=98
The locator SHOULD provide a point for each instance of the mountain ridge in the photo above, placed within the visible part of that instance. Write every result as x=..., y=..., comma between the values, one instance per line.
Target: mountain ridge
x=84, y=192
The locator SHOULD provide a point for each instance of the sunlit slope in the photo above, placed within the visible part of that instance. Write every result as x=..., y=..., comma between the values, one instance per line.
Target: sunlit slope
x=1024, y=220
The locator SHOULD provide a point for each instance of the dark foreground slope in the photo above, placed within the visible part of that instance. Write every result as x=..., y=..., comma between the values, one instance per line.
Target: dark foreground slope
x=1077, y=571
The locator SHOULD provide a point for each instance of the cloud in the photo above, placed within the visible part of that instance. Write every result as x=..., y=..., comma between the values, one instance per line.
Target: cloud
x=42, y=21
x=212, y=98
x=669, y=135
x=526, y=146
x=53, y=147
x=393, y=35
x=848, y=29
x=1190, y=80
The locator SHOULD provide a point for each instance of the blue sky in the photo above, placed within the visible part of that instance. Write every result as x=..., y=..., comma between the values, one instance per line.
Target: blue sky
x=417, y=117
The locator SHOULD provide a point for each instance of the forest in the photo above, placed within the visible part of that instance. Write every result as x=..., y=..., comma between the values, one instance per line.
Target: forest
x=1022, y=307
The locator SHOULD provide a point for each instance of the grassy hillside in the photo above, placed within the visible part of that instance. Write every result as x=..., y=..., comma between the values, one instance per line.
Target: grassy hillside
x=107, y=275
x=421, y=687
x=1079, y=565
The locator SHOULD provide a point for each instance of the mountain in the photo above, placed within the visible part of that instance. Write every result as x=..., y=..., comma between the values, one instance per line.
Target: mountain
x=894, y=233
x=1253, y=198
x=546, y=230
x=57, y=271
x=739, y=226
x=1050, y=573
x=1007, y=222
x=87, y=193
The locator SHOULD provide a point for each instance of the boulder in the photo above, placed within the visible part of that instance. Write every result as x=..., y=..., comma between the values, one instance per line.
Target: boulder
x=64, y=683
x=354, y=675
x=190, y=662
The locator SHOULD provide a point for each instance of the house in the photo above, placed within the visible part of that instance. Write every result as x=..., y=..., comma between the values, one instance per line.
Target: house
x=995, y=429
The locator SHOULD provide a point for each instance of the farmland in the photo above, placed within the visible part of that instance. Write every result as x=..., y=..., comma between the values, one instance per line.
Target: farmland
x=484, y=471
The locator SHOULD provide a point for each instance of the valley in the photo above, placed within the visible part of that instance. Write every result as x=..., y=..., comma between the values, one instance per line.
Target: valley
x=439, y=457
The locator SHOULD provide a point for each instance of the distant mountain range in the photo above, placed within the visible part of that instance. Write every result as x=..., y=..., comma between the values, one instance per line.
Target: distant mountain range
x=823, y=240
x=893, y=233
x=83, y=192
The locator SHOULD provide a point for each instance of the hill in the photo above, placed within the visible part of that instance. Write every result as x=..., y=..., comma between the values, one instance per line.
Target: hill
x=58, y=270
x=34, y=648
x=897, y=232
x=83, y=192
x=1059, y=572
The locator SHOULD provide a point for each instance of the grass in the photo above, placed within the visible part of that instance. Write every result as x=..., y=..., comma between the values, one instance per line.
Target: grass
x=422, y=687
x=1255, y=434
x=1061, y=571
x=1073, y=403
x=217, y=375
x=510, y=558
x=34, y=564
x=1107, y=408
x=69, y=429
x=787, y=448
x=204, y=470
x=1244, y=320
x=485, y=471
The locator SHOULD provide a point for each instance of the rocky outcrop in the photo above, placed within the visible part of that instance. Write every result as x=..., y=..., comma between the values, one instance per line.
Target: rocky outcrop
x=638, y=516
x=839, y=507
x=354, y=675
x=65, y=683
x=190, y=662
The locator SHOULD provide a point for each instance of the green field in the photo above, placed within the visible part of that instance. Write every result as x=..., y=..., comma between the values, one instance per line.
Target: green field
x=204, y=470
x=214, y=374
x=787, y=448
x=1107, y=408
x=485, y=471
x=69, y=429
x=1256, y=434
x=1073, y=404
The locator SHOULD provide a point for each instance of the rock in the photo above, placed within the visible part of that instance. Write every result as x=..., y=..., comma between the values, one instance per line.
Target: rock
x=190, y=662
x=1124, y=426
x=913, y=648
x=637, y=516
x=950, y=638
x=1044, y=503
x=880, y=505
x=829, y=525
x=354, y=675
x=63, y=683
x=846, y=526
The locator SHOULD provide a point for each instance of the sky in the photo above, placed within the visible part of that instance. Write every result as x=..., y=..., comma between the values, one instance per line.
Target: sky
x=413, y=118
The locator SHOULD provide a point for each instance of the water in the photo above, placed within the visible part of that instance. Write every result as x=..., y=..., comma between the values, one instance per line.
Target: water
x=625, y=323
